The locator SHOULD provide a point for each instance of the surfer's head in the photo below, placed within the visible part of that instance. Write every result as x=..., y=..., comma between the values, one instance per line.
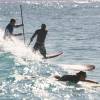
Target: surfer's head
x=12, y=21
x=43, y=26
x=81, y=75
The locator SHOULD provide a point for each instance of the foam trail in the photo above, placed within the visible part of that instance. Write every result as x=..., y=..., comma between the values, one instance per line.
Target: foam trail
x=17, y=48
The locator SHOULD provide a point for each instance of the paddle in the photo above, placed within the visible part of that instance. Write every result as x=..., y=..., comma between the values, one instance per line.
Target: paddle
x=22, y=22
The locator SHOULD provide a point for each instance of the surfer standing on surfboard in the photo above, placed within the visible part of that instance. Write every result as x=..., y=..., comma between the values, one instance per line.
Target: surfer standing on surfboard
x=80, y=76
x=9, y=29
x=40, y=42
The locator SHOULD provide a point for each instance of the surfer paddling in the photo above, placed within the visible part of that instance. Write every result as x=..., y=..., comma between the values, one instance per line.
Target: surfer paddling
x=80, y=76
x=40, y=42
x=10, y=27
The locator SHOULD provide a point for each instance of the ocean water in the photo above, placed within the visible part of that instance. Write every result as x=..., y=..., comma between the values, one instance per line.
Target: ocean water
x=73, y=28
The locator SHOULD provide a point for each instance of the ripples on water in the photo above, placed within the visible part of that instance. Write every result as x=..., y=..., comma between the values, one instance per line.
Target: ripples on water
x=73, y=28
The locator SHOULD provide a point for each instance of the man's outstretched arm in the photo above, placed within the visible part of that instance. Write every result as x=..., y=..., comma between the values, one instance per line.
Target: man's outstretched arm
x=16, y=26
x=32, y=38
x=90, y=81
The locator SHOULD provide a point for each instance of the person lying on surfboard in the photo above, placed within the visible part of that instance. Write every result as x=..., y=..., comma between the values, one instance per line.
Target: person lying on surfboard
x=80, y=76
x=10, y=27
x=40, y=42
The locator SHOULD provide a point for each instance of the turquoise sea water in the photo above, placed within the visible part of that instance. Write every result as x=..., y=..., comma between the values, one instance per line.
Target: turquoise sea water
x=73, y=28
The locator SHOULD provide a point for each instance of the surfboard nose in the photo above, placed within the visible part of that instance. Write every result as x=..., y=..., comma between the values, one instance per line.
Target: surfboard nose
x=91, y=66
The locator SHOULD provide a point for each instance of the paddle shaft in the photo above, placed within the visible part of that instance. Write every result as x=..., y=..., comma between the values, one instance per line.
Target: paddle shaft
x=22, y=22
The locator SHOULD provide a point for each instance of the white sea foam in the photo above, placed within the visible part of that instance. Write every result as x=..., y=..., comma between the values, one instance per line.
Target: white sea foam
x=17, y=48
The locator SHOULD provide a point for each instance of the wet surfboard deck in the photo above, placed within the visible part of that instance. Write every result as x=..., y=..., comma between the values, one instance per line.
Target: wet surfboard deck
x=53, y=55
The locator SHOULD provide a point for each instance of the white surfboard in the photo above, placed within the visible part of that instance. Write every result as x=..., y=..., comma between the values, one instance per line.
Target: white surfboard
x=53, y=55
x=86, y=67
x=76, y=67
x=88, y=84
x=81, y=84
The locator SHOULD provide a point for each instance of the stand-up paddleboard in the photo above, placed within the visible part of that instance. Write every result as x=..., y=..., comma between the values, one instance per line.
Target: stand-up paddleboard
x=87, y=67
x=53, y=55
